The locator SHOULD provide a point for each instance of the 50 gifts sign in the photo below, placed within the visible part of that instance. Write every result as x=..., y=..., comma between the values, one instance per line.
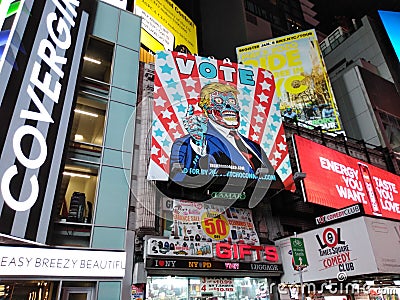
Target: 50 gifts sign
x=338, y=180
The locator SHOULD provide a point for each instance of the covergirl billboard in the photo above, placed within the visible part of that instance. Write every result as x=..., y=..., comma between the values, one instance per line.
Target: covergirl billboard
x=38, y=73
x=337, y=180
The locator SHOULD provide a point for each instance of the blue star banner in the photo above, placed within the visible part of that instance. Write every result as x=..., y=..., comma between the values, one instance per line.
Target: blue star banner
x=216, y=118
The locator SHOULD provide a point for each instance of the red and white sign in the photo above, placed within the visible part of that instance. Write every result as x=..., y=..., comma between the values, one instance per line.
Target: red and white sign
x=331, y=250
x=338, y=180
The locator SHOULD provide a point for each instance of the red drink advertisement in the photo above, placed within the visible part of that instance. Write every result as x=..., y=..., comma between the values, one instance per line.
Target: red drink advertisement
x=337, y=180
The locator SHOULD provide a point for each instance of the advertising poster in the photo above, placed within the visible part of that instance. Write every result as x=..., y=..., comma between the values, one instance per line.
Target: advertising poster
x=216, y=120
x=333, y=252
x=195, y=221
x=302, y=82
x=41, y=46
x=165, y=26
x=337, y=180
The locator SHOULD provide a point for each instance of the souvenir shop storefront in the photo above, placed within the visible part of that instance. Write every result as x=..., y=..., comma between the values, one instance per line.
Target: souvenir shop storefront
x=178, y=269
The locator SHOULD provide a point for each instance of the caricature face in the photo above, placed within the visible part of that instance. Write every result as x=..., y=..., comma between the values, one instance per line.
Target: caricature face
x=224, y=109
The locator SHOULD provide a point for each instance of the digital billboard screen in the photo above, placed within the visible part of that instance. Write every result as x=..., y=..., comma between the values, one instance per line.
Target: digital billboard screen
x=302, y=83
x=215, y=120
x=337, y=180
x=391, y=22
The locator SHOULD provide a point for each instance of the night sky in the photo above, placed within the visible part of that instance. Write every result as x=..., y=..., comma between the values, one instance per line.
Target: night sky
x=329, y=12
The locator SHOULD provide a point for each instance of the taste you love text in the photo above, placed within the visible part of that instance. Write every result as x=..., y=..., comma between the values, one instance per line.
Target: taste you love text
x=353, y=188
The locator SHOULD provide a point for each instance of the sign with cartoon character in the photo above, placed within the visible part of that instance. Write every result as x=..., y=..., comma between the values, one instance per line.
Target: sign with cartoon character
x=216, y=121
x=302, y=82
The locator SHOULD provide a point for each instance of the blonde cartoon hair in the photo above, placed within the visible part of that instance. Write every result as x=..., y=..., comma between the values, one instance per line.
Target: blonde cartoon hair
x=214, y=87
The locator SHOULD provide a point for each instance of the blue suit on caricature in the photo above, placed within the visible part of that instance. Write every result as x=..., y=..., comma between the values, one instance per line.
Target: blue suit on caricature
x=220, y=151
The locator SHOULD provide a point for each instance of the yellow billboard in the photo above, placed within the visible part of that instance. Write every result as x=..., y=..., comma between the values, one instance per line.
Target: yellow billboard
x=302, y=82
x=165, y=26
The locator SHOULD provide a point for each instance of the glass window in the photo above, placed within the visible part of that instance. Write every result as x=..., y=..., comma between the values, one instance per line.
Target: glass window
x=195, y=288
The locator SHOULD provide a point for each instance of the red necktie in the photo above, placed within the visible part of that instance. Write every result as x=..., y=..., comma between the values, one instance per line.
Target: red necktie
x=250, y=157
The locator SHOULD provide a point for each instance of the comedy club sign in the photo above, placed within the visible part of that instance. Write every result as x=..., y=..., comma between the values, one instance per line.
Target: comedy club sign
x=331, y=250
x=37, y=91
x=337, y=180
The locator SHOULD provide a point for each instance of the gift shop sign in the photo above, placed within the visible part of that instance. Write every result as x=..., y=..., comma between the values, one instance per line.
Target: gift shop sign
x=21, y=261
x=338, y=180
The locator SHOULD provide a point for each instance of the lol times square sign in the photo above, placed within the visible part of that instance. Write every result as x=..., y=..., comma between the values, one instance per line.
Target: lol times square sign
x=216, y=121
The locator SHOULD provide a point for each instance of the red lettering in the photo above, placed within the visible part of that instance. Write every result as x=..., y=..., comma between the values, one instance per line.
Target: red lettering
x=257, y=249
x=271, y=254
x=223, y=250
x=244, y=250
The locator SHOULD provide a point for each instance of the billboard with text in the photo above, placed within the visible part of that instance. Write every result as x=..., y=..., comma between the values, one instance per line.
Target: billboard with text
x=165, y=26
x=302, y=82
x=337, y=180
x=216, y=120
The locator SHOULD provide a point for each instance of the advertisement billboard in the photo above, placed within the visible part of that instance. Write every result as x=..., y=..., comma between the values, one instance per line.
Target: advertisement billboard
x=337, y=180
x=302, y=83
x=37, y=90
x=194, y=221
x=342, y=249
x=216, y=122
x=165, y=26
x=391, y=23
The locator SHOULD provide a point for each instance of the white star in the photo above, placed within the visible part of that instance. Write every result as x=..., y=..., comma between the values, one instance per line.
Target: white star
x=166, y=114
x=190, y=82
x=263, y=98
x=267, y=74
x=254, y=137
x=156, y=87
x=154, y=150
x=256, y=128
x=274, y=162
x=160, y=101
x=260, y=108
x=284, y=137
x=176, y=135
x=172, y=125
x=258, y=118
x=163, y=160
x=265, y=85
x=277, y=154
x=193, y=94
x=282, y=146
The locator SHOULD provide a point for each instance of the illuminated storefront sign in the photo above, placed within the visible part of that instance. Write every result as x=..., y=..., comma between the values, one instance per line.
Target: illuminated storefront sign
x=302, y=82
x=338, y=180
x=351, y=211
x=36, y=96
x=22, y=261
x=243, y=251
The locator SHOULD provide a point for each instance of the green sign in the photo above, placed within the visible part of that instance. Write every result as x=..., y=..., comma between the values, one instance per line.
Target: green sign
x=298, y=252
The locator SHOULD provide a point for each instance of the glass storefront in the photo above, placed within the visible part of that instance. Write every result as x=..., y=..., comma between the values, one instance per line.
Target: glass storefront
x=199, y=288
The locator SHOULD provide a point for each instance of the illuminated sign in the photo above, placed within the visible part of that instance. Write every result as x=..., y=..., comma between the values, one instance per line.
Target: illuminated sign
x=216, y=124
x=391, y=22
x=181, y=264
x=351, y=211
x=23, y=261
x=243, y=251
x=302, y=82
x=36, y=96
x=165, y=26
x=338, y=180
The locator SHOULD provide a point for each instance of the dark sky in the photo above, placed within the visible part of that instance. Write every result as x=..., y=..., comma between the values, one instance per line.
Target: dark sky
x=329, y=10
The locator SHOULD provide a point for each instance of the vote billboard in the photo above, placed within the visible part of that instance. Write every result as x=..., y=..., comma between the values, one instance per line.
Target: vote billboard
x=216, y=120
x=337, y=180
x=302, y=82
